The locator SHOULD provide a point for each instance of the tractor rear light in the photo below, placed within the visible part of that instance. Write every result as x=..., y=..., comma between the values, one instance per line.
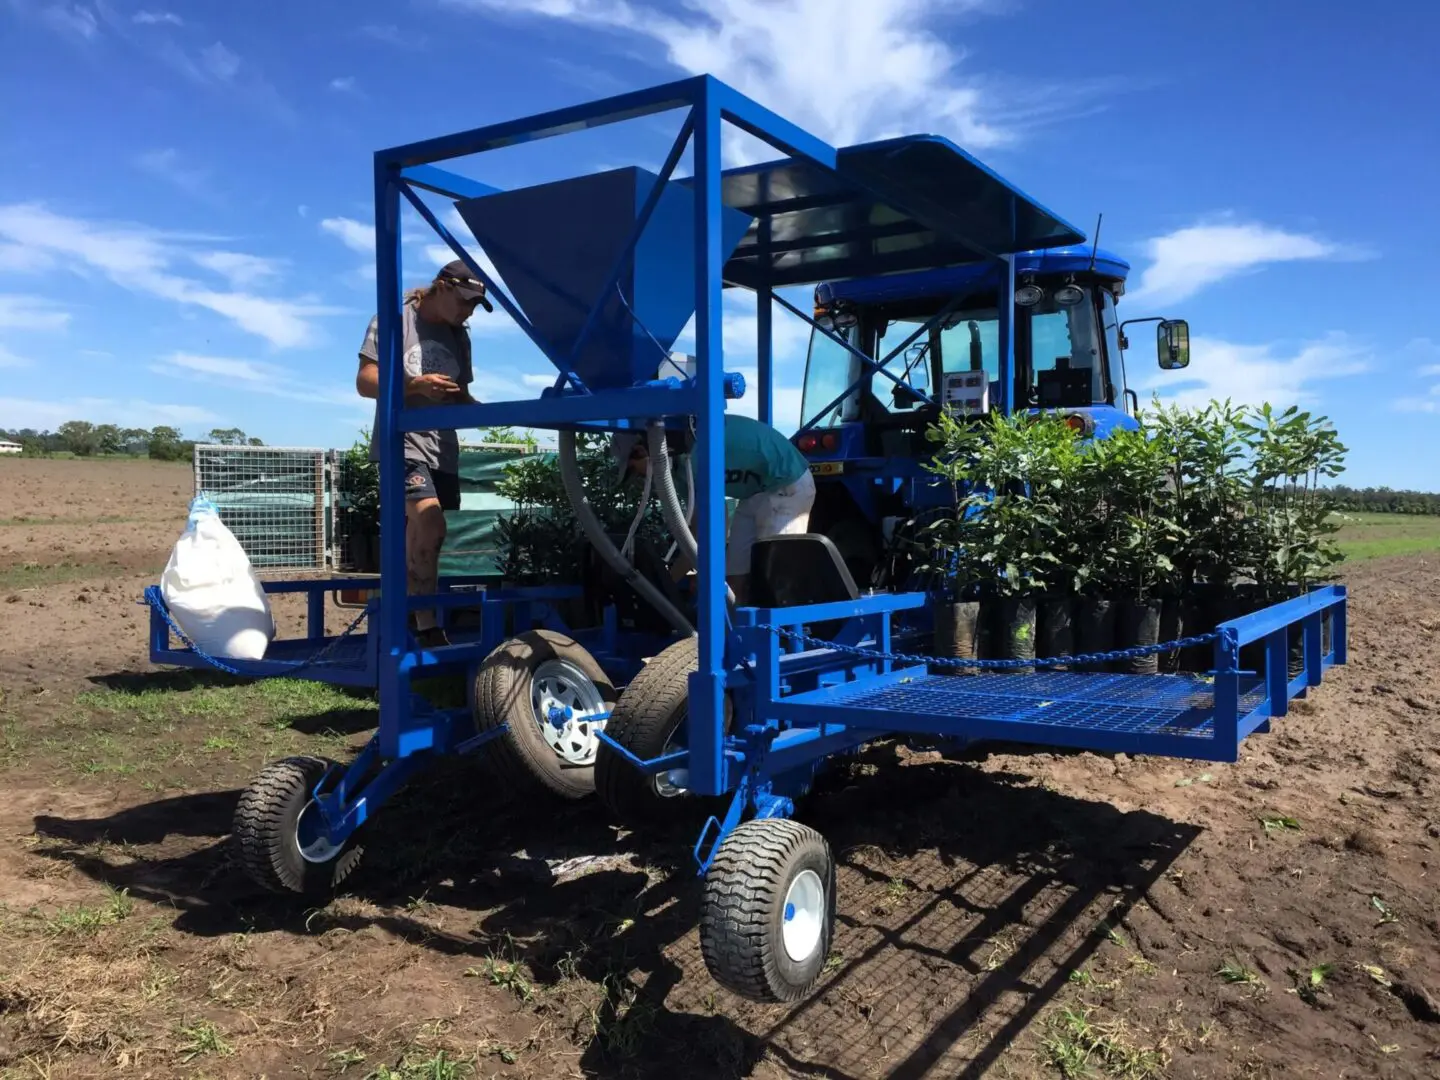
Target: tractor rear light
x=807, y=443
x=829, y=441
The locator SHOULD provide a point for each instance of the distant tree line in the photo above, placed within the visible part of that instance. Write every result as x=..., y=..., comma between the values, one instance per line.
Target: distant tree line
x=1383, y=500
x=84, y=439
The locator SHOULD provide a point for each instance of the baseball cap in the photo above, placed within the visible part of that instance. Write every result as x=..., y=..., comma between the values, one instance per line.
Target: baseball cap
x=470, y=287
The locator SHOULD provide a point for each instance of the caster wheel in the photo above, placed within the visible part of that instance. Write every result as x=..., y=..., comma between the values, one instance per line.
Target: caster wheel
x=546, y=687
x=278, y=835
x=768, y=912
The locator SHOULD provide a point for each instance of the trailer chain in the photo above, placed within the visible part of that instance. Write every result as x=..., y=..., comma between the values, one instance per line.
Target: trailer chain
x=220, y=665
x=996, y=665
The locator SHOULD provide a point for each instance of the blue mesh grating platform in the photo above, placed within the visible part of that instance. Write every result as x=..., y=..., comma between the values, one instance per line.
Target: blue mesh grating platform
x=1168, y=706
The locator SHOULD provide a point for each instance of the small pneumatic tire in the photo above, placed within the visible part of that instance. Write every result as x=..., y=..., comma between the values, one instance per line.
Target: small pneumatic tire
x=267, y=832
x=767, y=916
x=651, y=712
x=530, y=671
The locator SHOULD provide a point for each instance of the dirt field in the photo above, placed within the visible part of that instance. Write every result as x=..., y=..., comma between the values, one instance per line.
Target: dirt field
x=1008, y=915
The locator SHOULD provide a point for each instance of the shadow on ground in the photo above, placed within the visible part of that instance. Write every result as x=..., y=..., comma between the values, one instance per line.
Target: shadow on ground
x=966, y=898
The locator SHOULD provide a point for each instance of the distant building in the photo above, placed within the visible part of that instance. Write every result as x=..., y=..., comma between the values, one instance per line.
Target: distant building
x=7, y=447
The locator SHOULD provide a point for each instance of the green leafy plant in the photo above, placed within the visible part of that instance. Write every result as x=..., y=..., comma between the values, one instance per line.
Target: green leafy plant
x=541, y=540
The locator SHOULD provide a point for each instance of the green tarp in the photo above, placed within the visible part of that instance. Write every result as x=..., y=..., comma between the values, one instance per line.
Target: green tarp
x=471, y=541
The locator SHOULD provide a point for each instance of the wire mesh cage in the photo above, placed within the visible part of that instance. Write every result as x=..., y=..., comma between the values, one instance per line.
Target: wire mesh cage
x=275, y=499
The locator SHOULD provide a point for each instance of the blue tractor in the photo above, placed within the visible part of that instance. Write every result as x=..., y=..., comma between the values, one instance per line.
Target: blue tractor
x=888, y=353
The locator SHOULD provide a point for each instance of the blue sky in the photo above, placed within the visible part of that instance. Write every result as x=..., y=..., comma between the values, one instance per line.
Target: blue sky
x=185, y=206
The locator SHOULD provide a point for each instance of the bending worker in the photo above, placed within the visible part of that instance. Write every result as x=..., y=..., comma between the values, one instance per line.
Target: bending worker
x=438, y=371
x=763, y=472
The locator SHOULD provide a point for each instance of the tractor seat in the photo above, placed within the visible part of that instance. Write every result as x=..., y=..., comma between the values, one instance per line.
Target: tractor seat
x=801, y=568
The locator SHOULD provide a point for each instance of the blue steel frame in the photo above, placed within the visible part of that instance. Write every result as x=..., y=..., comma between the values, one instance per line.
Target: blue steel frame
x=396, y=170
x=793, y=707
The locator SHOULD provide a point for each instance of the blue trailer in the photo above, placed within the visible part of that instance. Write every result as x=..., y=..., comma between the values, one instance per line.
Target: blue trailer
x=737, y=713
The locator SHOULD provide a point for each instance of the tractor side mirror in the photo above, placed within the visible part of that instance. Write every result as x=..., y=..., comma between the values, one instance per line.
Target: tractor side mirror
x=1172, y=344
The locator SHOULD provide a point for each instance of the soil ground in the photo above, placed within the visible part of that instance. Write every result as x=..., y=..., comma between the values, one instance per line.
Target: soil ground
x=1003, y=914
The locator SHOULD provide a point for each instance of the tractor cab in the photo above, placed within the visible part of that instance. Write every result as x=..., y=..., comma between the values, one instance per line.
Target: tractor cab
x=887, y=354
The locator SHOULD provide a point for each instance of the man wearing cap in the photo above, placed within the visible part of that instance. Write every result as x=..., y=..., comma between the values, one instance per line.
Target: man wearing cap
x=436, y=353
x=767, y=476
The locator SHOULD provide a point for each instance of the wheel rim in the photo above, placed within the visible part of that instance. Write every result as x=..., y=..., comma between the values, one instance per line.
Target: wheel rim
x=564, y=699
x=804, y=916
x=310, y=839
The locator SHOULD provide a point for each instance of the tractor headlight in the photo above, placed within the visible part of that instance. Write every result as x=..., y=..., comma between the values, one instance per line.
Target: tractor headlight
x=1028, y=295
x=1069, y=295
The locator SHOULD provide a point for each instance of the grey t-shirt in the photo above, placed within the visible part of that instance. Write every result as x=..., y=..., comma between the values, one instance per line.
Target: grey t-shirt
x=429, y=348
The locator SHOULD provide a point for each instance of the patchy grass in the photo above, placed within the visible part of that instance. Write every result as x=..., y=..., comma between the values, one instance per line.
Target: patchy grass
x=154, y=729
x=1080, y=1047
x=1374, y=536
x=33, y=575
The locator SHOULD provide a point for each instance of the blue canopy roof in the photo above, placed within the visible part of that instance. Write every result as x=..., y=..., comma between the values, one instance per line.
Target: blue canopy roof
x=889, y=207
x=948, y=281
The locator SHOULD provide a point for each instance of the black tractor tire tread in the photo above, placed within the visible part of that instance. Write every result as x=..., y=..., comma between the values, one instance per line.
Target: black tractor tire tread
x=745, y=882
x=520, y=758
x=264, y=831
x=641, y=722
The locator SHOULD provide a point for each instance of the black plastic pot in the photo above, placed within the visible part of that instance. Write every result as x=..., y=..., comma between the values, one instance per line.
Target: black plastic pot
x=1197, y=616
x=1137, y=622
x=956, y=634
x=1012, y=623
x=1172, y=628
x=1094, y=627
x=1054, y=628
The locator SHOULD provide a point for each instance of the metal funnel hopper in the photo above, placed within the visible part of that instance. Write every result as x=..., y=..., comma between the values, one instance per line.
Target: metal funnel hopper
x=555, y=245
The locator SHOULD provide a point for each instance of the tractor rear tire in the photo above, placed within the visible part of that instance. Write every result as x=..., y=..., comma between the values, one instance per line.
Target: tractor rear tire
x=650, y=713
x=768, y=913
x=267, y=832
x=517, y=685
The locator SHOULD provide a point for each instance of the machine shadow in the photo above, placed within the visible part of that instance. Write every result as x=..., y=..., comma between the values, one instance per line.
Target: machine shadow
x=966, y=898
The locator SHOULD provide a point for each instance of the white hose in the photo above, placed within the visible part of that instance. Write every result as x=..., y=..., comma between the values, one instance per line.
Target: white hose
x=595, y=533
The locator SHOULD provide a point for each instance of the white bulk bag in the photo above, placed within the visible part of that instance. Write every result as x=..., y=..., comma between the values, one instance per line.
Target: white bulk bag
x=212, y=591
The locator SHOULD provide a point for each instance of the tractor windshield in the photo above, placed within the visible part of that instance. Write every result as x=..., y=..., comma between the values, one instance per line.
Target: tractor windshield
x=1061, y=358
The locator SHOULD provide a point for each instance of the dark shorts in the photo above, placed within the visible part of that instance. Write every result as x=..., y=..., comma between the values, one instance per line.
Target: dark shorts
x=423, y=482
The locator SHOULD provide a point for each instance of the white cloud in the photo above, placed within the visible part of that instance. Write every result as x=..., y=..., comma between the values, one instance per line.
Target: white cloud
x=167, y=165
x=31, y=313
x=252, y=376
x=355, y=235
x=140, y=259
x=74, y=19
x=157, y=18
x=1254, y=374
x=344, y=85
x=1187, y=260
x=848, y=72
x=242, y=270
x=390, y=34
x=9, y=359
x=1415, y=353
x=49, y=415
x=538, y=382
x=219, y=68
x=22, y=259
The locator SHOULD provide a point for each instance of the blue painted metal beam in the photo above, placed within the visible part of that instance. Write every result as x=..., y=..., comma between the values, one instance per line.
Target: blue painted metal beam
x=390, y=627
x=557, y=411
x=444, y=182
x=611, y=110
x=767, y=126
